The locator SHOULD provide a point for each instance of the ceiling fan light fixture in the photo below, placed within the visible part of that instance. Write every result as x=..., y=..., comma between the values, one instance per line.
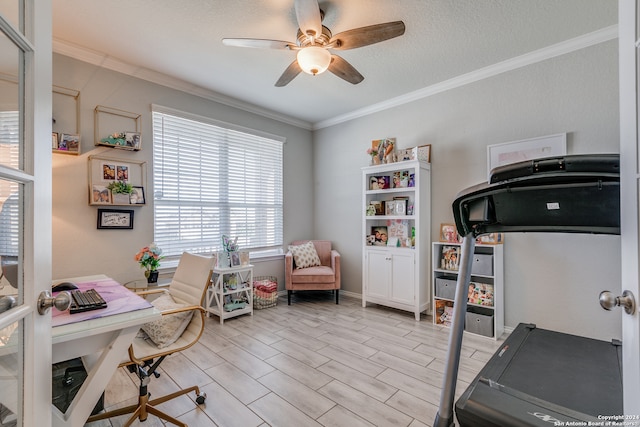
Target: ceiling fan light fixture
x=314, y=60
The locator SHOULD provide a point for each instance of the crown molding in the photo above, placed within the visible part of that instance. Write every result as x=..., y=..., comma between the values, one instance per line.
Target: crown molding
x=105, y=61
x=558, y=49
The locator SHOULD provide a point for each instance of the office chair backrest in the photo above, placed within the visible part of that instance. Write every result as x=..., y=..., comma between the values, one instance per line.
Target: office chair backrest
x=191, y=279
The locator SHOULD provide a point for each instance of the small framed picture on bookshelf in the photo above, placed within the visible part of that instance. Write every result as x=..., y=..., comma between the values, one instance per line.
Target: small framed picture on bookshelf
x=449, y=234
x=379, y=183
x=380, y=235
x=450, y=259
x=491, y=239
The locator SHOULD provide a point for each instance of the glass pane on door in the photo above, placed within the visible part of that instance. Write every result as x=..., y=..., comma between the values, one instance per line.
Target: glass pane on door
x=10, y=374
x=10, y=9
x=10, y=239
x=11, y=119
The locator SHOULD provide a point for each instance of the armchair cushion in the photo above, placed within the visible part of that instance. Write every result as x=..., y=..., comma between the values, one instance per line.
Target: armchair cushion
x=166, y=330
x=305, y=255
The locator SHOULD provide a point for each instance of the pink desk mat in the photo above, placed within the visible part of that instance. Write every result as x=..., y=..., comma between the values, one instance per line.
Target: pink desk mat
x=119, y=300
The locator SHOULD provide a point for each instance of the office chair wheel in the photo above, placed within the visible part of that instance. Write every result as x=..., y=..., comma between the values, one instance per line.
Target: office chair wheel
x=200, y=398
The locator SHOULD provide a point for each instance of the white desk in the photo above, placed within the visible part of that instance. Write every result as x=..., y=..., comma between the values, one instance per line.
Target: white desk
x=102, y=342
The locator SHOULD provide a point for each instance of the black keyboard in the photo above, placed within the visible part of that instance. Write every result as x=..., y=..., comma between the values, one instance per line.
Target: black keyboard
x=86, y=301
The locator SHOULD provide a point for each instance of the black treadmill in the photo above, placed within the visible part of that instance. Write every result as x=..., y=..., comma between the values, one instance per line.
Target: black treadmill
x=538, y=377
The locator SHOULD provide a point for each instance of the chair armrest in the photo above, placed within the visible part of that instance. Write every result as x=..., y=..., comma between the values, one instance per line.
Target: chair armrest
x=335, y=265
x=152, y=291
x=288, y=269
x=181, y=309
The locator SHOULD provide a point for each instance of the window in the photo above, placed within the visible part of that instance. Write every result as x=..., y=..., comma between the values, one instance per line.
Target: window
x=212, y=178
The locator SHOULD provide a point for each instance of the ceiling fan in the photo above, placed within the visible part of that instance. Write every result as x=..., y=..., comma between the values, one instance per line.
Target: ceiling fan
x=314, y=41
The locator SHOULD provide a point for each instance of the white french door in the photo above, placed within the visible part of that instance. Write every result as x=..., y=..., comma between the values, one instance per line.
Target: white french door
x=628, y=11
x=25, y=211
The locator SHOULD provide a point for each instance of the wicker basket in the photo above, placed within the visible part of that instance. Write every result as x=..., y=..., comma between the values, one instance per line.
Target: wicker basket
x=265, y=292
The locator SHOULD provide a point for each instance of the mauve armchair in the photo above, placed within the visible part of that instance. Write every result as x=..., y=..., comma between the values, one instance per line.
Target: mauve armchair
x=322, y=277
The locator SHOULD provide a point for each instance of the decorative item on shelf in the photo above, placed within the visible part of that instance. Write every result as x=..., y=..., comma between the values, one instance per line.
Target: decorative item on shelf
x=371, y=209
x=449, y=234
x=149, y=258
x=125, y=140
x=422, y=153
x=380, y=235
x=230, y=257
x=120, y=192
x=450, y=258
x=375, y=160
x=385, y=148
x=490, y=239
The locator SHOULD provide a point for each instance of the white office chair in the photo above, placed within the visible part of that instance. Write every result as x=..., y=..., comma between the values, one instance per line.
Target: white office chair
x=188, y=287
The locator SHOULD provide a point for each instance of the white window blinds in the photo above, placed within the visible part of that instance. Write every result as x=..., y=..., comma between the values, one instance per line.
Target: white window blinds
x=211, y=179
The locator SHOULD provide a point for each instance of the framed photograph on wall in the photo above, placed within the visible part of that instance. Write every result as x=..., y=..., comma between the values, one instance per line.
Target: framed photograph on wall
x=525, y=149
x=115, y=219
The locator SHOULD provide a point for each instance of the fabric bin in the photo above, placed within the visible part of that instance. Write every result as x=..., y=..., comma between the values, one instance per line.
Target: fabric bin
x=479, y=321
x=482, y=265
x=265, y=292
x=446, y=287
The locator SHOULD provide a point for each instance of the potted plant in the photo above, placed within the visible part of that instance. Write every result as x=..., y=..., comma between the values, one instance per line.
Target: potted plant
x=121, y=192
x=149, y=258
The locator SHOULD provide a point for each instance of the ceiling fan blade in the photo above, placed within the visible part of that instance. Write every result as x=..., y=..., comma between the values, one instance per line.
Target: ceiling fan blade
x=308, y=15
x=258, y=43
x=365, y=36
x=289, y=74
x=344, y=70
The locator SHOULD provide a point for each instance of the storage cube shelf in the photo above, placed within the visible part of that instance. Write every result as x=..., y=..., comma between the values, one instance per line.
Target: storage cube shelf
x=396, y=213
x=485, y=297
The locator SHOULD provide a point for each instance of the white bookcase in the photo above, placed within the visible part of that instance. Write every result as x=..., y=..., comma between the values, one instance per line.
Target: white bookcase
x=396, y=269
x=485, y=304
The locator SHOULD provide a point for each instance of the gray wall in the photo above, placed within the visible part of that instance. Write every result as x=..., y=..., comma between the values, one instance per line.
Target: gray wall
x=550, y=280
x=78, y=247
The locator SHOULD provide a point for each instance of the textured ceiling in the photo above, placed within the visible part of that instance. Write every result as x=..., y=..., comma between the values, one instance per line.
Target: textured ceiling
x=443, y=39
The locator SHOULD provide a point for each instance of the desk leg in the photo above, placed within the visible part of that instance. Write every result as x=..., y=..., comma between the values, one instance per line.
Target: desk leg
x=100, y=368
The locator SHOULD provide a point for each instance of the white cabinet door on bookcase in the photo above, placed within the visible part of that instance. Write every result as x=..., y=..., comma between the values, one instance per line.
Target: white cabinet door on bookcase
x=396, y=215
x=378, y=269
x=485, y=296
x=402, y=272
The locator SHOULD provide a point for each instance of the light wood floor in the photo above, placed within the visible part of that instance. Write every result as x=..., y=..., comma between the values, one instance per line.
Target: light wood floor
x=313, y=363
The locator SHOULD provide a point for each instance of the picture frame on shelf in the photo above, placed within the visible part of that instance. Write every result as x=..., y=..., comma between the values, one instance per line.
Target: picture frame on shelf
x=54, y=140
x=235, y=258
x=401, y=179
x=422, y=153
x=450, y=259
x=70, y=142
x=244, y=257
x=133, y=140
x=380, y=235
x=491, y=239
x=122, y=173
x=405, y=154
x=100, y=195
x=378, y=205
x=379, y=182
x=449, y=234
x=108, y=172
x=115, y=219
x=137, y=196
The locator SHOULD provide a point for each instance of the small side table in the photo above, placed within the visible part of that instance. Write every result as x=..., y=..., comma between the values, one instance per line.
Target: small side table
x=227, y=286
x=143, y=285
